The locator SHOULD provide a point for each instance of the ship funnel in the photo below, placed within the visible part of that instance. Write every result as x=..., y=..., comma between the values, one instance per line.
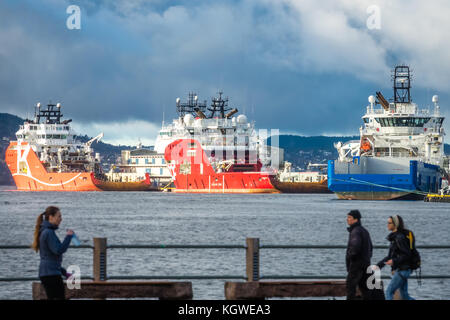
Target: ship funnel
x=229, y=114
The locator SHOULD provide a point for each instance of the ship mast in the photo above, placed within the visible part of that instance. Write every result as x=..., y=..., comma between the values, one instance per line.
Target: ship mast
x=219, y=106
x=191, y=106
x=401, y=77
x=52, y=114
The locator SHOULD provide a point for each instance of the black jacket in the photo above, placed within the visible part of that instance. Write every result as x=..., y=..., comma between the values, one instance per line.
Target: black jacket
x=399, y=252
x=359, y=247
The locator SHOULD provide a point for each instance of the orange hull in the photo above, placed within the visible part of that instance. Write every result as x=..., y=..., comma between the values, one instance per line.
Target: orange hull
x=192, y=172
x=30, y=175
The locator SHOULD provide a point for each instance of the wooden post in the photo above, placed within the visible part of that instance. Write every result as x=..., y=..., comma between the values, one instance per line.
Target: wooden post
x=252, y=259
x=99, y=259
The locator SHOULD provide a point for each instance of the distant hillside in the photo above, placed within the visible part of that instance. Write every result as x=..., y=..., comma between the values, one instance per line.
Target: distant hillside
x=108, y=152
x=301, y=150
x=9, y=124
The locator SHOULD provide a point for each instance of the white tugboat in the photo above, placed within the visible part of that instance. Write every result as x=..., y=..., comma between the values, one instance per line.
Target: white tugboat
x=400, y=154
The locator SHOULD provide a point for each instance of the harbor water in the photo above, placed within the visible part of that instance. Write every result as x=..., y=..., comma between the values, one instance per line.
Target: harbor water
x=168, y=218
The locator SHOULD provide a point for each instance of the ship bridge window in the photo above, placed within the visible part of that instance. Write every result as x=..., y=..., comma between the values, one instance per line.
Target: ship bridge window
x=366, y=120
x=402, y=122
x=54, y=136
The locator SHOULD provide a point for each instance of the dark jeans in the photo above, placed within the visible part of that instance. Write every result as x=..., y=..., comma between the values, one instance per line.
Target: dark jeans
x=357, y=277
x=54, y=287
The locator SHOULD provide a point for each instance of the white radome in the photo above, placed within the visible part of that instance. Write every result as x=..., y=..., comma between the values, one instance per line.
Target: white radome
x=371, y=99
x=435, y=99
x=188, y=119
x=242, y=119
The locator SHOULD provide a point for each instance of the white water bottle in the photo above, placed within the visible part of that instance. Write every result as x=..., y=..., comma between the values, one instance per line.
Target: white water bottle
x=75, y=241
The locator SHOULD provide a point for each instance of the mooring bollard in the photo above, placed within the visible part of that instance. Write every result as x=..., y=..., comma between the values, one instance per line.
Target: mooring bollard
x=252, y=259
x=99, y=259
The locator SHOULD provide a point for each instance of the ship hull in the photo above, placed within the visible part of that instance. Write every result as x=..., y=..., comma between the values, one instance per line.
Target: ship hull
x=239, y=182
x=192, y=173
x=105, y=185
x=383, y=179
x=380, y=195
x=125, y=186
x=30, y=175
x=301, y=187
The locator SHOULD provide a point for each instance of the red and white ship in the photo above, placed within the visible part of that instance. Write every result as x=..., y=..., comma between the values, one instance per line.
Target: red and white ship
x=47, y=157
x=192, y=171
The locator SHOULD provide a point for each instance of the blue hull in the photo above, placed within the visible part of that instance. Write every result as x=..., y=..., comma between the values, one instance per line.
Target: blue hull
x=373, y=179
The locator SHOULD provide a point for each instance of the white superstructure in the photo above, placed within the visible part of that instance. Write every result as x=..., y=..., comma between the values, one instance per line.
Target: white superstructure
x=222, y=135
x=398, y=129
x=54, y=142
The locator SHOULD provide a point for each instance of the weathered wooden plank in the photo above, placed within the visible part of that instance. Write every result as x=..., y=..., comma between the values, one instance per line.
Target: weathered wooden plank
x=121, y=289
x=266, y=289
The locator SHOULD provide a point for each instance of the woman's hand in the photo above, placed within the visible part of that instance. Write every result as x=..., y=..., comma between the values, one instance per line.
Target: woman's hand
x=389, y=262
x=70, y=232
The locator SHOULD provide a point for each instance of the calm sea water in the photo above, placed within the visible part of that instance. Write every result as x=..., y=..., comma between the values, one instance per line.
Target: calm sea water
x=166, y=218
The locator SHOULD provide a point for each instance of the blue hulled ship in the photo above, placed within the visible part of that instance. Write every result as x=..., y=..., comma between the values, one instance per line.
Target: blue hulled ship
x=400, y=153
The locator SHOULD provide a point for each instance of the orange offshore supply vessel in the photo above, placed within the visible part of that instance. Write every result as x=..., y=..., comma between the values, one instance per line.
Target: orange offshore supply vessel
x=192, y=171
x=47, y=157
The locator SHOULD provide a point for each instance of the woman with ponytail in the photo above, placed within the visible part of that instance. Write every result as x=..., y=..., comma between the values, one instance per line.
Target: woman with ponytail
x=399, y=258
x=51, y=250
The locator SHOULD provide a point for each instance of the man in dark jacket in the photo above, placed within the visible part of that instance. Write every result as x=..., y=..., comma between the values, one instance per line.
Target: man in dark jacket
x=359, y=252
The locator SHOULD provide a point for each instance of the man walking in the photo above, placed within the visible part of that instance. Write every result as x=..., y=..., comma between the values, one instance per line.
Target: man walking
x=359, y=252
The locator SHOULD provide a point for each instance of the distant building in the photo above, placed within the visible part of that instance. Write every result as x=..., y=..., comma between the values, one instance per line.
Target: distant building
x=141, y=161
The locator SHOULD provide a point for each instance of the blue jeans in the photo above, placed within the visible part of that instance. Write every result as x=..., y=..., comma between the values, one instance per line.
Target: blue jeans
x=399, y=281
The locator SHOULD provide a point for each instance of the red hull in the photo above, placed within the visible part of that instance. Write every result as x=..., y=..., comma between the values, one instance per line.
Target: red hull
x=30, y=175
x=192, y=172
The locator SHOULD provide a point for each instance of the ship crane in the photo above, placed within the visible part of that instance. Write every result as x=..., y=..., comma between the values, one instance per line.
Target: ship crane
x=95, y=139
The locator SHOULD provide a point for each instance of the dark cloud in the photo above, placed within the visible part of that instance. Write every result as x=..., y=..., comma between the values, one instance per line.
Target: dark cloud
x=292, y=65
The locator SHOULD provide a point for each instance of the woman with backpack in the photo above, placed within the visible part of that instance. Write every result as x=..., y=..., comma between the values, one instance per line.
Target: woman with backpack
x=399, y=257
x=51, y=251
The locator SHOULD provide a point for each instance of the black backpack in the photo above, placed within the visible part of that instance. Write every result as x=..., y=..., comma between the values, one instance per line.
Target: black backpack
x=415, y=262
x=415, y=256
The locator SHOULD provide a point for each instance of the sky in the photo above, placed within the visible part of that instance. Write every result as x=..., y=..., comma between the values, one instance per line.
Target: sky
x=303, y=67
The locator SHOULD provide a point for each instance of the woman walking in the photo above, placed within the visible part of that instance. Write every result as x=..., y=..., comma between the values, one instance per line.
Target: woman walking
x=399, y=258
x=51, y=251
